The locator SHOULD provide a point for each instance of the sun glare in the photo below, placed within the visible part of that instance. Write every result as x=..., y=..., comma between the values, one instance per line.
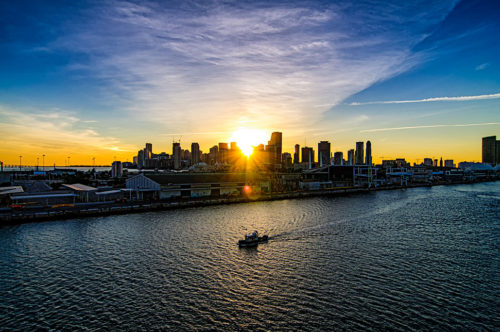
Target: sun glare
x=248, y=138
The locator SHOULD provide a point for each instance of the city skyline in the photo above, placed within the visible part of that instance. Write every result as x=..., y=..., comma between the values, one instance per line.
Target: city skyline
x=92, y=80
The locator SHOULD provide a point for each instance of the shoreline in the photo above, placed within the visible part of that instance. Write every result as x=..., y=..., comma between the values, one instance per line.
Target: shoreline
x=15, y=217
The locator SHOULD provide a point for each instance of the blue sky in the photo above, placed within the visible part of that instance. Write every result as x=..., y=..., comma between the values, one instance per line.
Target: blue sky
x=103, y=77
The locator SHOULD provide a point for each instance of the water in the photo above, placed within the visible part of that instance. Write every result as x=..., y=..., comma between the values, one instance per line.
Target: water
x=425, y=258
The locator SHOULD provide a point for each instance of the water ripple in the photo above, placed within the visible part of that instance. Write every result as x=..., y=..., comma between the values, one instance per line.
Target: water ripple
x=424, y=258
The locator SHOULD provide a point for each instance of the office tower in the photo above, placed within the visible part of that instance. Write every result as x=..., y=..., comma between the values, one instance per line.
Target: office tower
x=223, y=152
x=435, y=163
x=195, y=153
x=287, y=159
x=140, y=159
x=214, y=155
x=428, y=161
x=359, y=154
x=148, y=151
x=324, y=153
x=176, y=152
x=270, y=154
x=296, y=155
x=441, y=162
x=368, y=160
x=308, y=155
x=116, y=169
x=338, y=158
x=350, y=157
x=489, y=149
x=275, y=152
x=449, y=163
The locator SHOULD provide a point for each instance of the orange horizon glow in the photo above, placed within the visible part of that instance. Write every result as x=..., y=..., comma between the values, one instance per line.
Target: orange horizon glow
x=35, y=143
x=248, y=138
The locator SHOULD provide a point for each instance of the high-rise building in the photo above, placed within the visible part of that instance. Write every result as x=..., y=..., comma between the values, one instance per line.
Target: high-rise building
x=296, y=155
x=489, y=149
x=338, y=158
x=223, y=153
x=324, y=153
x=428, y=161
x=140, y=159
x=195, y=153
x=214, y=155
x=176, y=152
x=435, y=163
x=308, y=155
x=441, y=162
x=449, y=163
x=148, y=151
x=287, y=159
x=368, y=160
x=350, y=157
x=116, y=169
x=275, y=152
x=360, y=154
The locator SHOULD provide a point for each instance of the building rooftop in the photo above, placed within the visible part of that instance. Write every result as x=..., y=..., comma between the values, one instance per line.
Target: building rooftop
x=79, y=187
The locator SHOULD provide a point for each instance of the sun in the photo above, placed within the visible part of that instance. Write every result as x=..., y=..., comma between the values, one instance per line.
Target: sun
x=247, y=138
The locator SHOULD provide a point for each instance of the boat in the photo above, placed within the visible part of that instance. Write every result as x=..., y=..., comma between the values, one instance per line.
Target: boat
x=252, y=240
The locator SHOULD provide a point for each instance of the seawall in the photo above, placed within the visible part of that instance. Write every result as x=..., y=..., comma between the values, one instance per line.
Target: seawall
x=109, y=208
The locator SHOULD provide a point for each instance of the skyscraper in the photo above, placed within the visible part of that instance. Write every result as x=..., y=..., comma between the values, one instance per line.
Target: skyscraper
x=350, y=157
x=296, y=155
x=275, y=153
x=176, y=152
x=195, y=153
x=359, y=153
x=324, y=153
x=116, y=169
x=214, y=155
x=140, y=159
x=308, y=155
x=223, y=152
x=368, y=160
x=148, y=152
x=489, y=149
x=338, y=158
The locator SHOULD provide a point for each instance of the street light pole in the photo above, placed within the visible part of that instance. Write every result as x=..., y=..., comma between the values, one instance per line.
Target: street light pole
x=43, y=163
x=20, y=163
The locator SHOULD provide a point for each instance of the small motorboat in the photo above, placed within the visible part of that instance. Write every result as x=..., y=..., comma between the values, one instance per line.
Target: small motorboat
x=252, y=240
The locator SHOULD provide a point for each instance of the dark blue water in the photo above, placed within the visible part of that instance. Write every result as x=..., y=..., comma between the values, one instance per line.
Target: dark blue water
x=425, y=258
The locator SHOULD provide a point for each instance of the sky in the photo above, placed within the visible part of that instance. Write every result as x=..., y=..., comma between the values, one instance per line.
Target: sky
x=85, y=79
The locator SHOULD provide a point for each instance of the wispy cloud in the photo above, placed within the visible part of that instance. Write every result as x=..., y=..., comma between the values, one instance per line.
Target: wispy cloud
x=205, y=66
x=483, y=66
x=431, y=126
x=426, y=100
x=53, y=130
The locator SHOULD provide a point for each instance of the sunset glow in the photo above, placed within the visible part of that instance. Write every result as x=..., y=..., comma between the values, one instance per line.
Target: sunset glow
x=247, y=139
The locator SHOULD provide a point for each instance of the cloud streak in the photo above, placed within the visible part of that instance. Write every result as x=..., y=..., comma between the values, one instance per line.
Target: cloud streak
x=53, y=131
x=206, y=66
x=431, y=126
x=426, y=100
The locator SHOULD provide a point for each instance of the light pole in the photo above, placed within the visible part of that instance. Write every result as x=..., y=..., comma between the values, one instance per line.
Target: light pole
x=43, y=162
x=20, y=163
x=68, y=160
x=37, y=162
